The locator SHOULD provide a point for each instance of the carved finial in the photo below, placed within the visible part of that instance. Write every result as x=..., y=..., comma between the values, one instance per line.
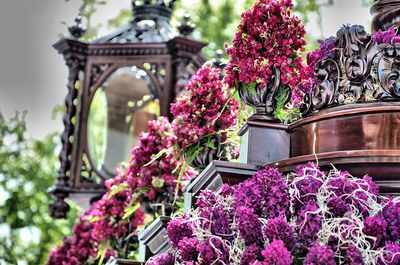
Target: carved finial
x=219, y=60
x=187, y=27
x=77, y=30
x=151, y=9
x=59, y=208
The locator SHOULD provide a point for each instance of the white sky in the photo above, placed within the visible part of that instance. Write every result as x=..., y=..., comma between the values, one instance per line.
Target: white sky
x=33, y=76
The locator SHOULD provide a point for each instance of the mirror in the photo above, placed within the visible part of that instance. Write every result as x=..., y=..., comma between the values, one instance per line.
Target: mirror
x=119, y=112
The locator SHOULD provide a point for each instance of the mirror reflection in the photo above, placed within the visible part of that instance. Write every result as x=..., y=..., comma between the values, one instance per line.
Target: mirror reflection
x=119, y=112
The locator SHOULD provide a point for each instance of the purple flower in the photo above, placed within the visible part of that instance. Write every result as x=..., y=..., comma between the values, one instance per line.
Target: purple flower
x=353, y=256
x=375, y=226
x=276, y=254
x=188, y=249
x=206, y=198
x=327, y=49
x=391, y=254
x=162, y=259
x=320, y=255
x=178, y=229
x=249, y=225
x=337, y=206
x=266, y=193
x=251, y=254
x=279, y=228
x=213, y=251
x=308, y=223
x=391, y=213
x=308, y=186
x=386, y=36
x=216, y=220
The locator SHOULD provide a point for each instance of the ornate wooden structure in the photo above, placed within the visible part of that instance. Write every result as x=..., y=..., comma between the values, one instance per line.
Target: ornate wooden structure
x=146, y=62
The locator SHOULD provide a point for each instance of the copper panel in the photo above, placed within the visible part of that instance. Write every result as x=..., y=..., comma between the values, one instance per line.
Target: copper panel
x=369, y=131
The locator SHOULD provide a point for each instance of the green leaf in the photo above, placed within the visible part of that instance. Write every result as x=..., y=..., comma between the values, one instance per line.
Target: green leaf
x=157, y=156
x=116, y=189
x=130, y=210
x=102, y=251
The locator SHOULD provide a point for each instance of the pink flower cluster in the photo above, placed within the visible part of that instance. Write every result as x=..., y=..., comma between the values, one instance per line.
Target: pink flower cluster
x=206, y=109
x=316, y=219
x=269, y=35
x=104, y=220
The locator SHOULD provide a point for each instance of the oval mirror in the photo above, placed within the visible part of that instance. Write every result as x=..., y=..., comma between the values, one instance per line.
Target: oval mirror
x=119, y=112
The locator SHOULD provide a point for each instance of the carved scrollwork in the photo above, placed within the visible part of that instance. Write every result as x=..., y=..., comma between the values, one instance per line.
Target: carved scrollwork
x=388, y=72
x=360, y=71
x=96, y=71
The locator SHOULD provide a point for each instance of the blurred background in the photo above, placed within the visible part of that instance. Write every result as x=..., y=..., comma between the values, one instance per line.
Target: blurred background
x=33, y=81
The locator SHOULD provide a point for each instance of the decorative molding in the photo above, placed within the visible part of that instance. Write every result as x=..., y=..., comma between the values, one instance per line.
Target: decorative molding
x=360, y=71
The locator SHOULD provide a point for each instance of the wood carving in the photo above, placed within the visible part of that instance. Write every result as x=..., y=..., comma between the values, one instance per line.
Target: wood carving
x=360, y=71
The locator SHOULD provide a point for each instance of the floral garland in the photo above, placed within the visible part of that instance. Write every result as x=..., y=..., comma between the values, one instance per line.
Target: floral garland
x=206, y=109
x=269, y=35
x=315, y=219
x=118, y=213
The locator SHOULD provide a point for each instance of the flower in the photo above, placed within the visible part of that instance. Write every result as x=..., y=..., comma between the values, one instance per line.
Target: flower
x=353, y=256
x=391, y=213
x=276, y=254
x=178, y=229
x=390, y=255
x=320, y=255
x=206, y=109
x=251, y=254
x=162, y=259
x=213, y=251
x=266, y=193
x=326, y=49
x=279, y=228
x=188, y=249
x=387, y=36
x=139, y=181
x=375, y=226
x=269, y=35
x=248, y=225
x=309, y=223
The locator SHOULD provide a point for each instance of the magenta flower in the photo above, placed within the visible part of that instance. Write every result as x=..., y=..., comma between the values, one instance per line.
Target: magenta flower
x=178, y=229
x=206, y=109
x=320, y=255
x=269, y=35
x=276, y=254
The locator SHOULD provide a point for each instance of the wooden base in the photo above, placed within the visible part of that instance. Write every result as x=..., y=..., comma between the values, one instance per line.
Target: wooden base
x=214, y=176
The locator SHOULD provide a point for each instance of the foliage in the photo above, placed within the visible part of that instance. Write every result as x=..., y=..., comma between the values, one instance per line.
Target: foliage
x=27, y=170
x=317, y=218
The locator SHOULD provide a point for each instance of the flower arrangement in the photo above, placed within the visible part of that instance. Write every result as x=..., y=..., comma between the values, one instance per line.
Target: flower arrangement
x=118, y=215
x=269, y=36
x=316, y=218
x=207, y=110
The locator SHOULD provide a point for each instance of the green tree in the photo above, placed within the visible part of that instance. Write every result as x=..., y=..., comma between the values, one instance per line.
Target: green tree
x=27, y=170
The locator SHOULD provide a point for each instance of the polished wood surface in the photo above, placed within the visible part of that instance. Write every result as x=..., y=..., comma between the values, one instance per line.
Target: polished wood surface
x=364, y=128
